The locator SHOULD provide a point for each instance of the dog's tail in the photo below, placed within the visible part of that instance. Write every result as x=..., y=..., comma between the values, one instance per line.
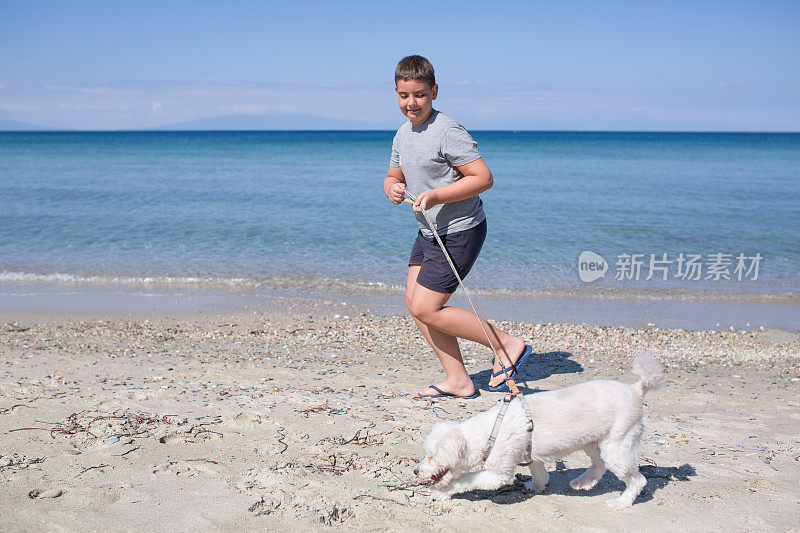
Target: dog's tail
x=650, y=371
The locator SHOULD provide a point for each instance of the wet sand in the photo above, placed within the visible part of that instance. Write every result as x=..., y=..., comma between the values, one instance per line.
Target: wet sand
x=608, y=306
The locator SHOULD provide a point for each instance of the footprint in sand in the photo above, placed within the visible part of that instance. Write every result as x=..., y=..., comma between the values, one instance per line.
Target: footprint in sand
x=37, y=494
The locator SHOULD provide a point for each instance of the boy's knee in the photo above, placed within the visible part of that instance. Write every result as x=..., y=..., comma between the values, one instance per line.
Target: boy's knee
x=419, y=310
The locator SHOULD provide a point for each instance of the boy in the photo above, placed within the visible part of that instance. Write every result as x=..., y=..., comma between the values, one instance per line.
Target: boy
x=438, y=161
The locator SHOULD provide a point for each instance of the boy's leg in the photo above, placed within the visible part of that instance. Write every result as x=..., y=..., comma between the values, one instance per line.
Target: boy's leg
x=444, y=345
x=427, y=306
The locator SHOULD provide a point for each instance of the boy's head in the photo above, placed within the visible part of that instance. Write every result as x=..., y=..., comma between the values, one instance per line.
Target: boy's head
x=415, y=84
x=415, y=68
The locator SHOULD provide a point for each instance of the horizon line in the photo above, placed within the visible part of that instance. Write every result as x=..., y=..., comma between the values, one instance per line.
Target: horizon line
x=510, y=130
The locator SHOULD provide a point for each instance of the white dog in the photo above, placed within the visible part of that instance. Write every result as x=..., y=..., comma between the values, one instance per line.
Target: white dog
x=602, y=418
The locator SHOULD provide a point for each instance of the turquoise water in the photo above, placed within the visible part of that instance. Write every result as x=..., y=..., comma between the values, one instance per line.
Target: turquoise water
x=244, y=207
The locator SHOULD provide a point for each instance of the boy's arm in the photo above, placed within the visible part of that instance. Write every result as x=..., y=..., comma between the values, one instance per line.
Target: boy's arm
x=394, y=185
x=476, y=178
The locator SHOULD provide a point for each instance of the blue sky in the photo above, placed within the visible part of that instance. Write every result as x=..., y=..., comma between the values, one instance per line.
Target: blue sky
x=702, y=65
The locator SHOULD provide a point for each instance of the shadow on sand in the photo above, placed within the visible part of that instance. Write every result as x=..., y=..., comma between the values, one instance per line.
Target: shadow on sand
x=657, y=478
x=539, y=366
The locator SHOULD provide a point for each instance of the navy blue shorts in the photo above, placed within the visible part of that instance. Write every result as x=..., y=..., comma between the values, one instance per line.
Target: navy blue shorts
x=436, y=274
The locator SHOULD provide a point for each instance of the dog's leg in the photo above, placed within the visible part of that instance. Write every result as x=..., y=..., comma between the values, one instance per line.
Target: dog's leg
x=622, y=458
x=480, y=480
x=440, y=494
x=539, y=477
x=592, y=475
x=634, y=483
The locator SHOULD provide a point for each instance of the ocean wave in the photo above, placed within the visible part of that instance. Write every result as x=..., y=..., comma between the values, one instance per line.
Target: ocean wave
x=10, y=279
x=79, y=279
x=88, y=280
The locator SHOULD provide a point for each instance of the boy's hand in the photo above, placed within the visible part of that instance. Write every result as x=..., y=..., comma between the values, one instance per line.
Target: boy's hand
x=426, y=200
x=397, y=192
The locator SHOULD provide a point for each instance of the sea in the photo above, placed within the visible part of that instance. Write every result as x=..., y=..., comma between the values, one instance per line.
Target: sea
x=616, y=215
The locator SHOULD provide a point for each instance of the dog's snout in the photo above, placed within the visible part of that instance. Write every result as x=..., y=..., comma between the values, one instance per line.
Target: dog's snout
x=416, y=470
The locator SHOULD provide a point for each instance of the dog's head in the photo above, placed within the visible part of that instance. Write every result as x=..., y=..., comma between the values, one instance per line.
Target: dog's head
x=445, y=450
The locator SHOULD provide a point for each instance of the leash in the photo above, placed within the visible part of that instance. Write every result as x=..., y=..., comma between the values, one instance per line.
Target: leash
x=512, y=386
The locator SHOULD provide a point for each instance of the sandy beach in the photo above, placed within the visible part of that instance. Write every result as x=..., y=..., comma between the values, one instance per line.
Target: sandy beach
x=303, y=416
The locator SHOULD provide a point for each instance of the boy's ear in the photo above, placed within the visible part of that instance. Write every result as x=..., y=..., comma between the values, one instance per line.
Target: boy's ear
x=434, y=91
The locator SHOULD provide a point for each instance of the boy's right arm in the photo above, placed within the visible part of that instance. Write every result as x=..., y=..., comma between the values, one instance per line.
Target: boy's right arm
x=394, y=185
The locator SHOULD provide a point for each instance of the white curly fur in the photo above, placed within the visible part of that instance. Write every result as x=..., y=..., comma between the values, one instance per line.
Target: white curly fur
x=602, y=418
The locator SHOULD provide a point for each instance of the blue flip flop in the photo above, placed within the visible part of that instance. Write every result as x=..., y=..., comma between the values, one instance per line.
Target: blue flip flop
x=443, y=394
x=503, y=387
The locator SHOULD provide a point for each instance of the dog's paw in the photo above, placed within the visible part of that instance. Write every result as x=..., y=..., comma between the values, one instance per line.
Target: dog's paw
x=618, y=504
x=530, y=485
x=439, y=495
x=581, y=483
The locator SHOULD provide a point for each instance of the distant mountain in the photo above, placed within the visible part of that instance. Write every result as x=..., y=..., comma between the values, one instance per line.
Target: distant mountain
x=14, y=125
x=273, y=121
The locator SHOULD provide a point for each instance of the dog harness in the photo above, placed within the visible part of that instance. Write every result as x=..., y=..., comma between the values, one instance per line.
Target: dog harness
x=506, y=401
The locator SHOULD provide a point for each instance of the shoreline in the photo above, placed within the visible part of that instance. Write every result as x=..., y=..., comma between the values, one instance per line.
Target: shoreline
x=591, y=305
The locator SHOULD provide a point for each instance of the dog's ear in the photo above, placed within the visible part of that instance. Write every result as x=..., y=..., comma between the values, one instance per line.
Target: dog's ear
x=438, y=430
x=456, y=444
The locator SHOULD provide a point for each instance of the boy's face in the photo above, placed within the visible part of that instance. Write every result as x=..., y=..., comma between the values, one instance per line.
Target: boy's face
x=416, y=100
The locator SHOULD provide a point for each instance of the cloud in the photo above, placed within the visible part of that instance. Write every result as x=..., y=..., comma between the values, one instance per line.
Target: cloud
x=731, y=83
x=248, y=109
x=120, y=103
x=470, y=82
x=96, y=107
x=98, y=90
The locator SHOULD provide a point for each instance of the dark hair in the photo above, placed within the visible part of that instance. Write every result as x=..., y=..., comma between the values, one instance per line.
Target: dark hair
x=415, y=68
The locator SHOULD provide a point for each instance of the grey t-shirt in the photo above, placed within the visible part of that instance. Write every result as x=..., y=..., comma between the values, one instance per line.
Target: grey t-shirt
x=428, y=155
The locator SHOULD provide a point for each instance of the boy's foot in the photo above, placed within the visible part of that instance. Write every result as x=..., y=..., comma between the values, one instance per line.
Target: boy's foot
x=518, y=364
x=516, y=346
x=462, y=390
x=441, y=394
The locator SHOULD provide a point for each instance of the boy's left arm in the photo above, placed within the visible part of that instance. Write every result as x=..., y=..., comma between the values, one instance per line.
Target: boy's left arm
x=476, y=178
